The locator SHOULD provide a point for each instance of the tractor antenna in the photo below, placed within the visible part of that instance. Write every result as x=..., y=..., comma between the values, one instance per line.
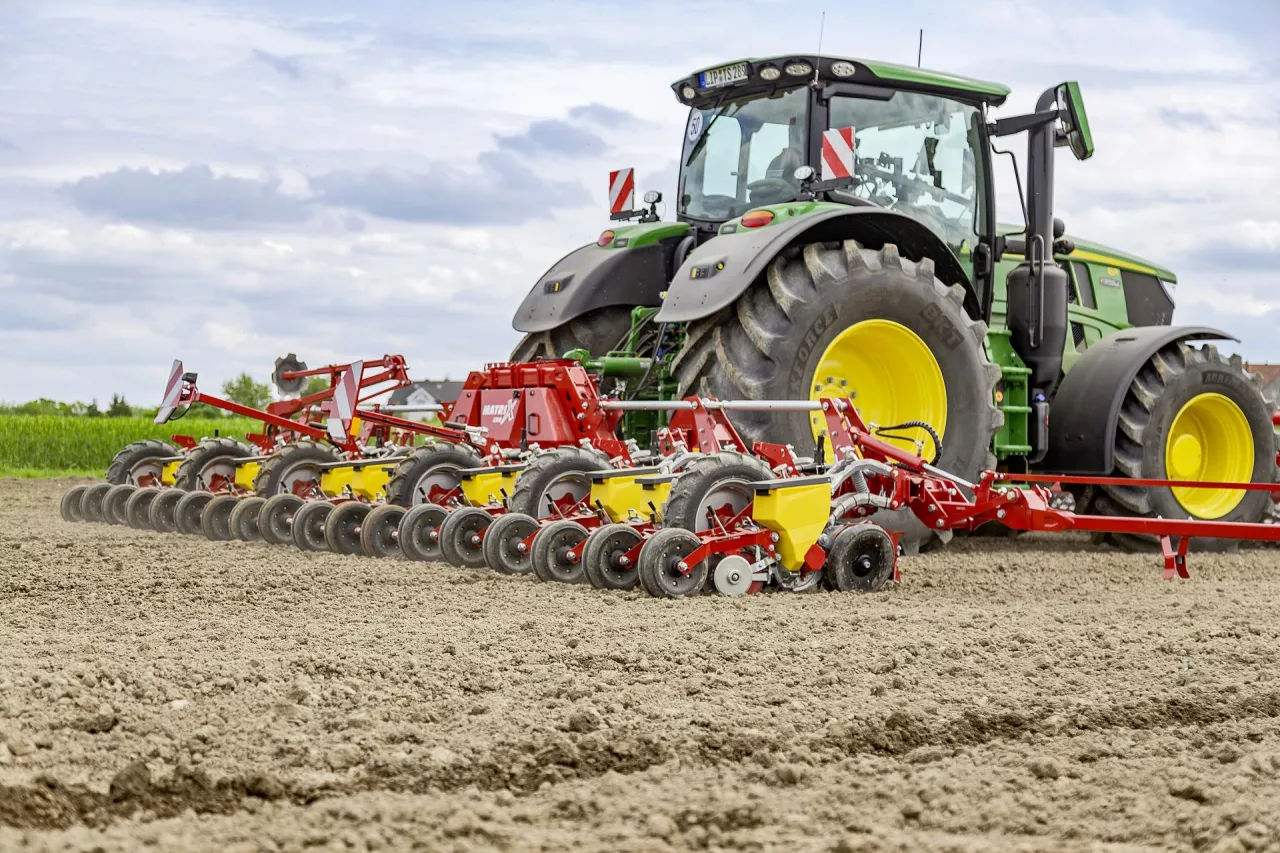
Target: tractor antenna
x=920, y=48
x=822, y=25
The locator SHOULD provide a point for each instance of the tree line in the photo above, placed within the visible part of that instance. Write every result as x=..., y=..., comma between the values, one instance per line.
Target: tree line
x=242, y=389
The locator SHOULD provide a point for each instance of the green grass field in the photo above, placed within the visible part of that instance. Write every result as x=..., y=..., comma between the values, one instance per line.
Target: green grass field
x=49, y=446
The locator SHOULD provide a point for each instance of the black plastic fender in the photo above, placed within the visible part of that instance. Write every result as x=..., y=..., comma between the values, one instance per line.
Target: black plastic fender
x=1086, y=407
x=590, y=278
x=721, y=269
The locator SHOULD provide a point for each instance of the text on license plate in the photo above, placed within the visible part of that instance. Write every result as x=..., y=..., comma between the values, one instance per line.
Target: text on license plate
x=723, y=76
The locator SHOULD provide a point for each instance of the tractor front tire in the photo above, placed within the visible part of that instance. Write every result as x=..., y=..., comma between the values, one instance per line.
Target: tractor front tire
x=835, y=319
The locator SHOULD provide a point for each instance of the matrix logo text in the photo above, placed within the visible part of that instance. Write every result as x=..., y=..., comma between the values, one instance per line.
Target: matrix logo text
x=502, y=413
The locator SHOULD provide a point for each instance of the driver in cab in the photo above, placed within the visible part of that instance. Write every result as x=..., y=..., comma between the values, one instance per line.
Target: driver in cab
x=780, y=183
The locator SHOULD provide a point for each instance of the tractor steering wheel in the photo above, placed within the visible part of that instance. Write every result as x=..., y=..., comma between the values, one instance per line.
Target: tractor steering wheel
x=783, y=189
x=718, y=204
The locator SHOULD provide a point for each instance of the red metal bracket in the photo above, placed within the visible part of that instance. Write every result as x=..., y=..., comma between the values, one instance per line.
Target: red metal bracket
x=1174, y=549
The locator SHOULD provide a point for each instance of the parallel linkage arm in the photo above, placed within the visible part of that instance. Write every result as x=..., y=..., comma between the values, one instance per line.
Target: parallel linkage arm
x=941, y=500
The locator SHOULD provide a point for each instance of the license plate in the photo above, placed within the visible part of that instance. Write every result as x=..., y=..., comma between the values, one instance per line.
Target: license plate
x=723, y=76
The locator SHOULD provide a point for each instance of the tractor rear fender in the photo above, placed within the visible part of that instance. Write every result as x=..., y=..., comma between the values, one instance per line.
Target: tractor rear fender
x=1086, y=408
x=600, y=277
x=720, y=270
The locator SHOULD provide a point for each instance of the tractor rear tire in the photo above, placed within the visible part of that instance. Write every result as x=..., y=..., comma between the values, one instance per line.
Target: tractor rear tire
x=551, y=479
x=215, y=520
x=138, y=510
x=138, y=461
x=69, y=506
x=599, y=331
x=291, y=465
x=163, y=513
x=1163, y=389
x=771, y=345
x=209, y=458
x=244, y=519
x=429, y=475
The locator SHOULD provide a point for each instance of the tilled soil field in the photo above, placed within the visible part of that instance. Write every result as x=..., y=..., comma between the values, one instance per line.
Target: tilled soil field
x=166, y=692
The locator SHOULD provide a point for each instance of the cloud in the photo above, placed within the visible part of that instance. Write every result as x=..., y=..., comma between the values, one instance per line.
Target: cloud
x=289, y=66
x=193, y=197
x=1187, y=119
x=604, y=116
x=553, y=136
x=1230, y=257
x=499, y=192
x=6, y=145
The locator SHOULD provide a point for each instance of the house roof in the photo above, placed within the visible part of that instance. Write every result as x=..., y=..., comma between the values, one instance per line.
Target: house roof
x=1269, y=373
x=442, y=391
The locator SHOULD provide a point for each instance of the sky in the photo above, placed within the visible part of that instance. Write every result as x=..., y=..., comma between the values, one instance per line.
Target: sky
x=228, y=181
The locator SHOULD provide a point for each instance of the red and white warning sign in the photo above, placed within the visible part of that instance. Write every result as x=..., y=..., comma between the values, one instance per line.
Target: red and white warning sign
x=622, y=190
x=344, y=402
x=837, y=153
x=172, y=391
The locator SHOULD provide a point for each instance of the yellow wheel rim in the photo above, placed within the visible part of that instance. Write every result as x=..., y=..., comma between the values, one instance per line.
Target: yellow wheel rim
x=1209, y=439
x=892, y=374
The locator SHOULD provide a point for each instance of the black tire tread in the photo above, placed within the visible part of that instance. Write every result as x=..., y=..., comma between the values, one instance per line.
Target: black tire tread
x=598, y=331
x=543, y=468
x=680, y=510
x=131, y=454
x=202, y=455
x=266, y=482
x=1164, y=369
x=735, y=352
x=412, y=468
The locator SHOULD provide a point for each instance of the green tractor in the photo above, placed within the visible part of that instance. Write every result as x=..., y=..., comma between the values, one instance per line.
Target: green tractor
x=836, y=234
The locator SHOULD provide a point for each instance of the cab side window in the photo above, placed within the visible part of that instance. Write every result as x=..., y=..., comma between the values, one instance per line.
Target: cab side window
x=1083, y=284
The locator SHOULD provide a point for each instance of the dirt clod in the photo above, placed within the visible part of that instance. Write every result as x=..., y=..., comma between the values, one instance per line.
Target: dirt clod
x=133, y=782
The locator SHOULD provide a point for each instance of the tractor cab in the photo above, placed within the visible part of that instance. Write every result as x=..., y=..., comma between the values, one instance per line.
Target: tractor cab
x=918, y=143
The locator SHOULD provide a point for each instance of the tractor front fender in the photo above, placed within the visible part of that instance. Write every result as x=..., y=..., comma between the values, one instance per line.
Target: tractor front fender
x=1086, y=408
x=600, y=277
x=720, y=270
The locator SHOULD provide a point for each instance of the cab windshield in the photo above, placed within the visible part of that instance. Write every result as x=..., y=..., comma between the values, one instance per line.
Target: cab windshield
x=914, y=153
x=742, y=154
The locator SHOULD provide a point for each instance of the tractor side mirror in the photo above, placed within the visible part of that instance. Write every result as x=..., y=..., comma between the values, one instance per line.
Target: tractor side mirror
x=1075, y=122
